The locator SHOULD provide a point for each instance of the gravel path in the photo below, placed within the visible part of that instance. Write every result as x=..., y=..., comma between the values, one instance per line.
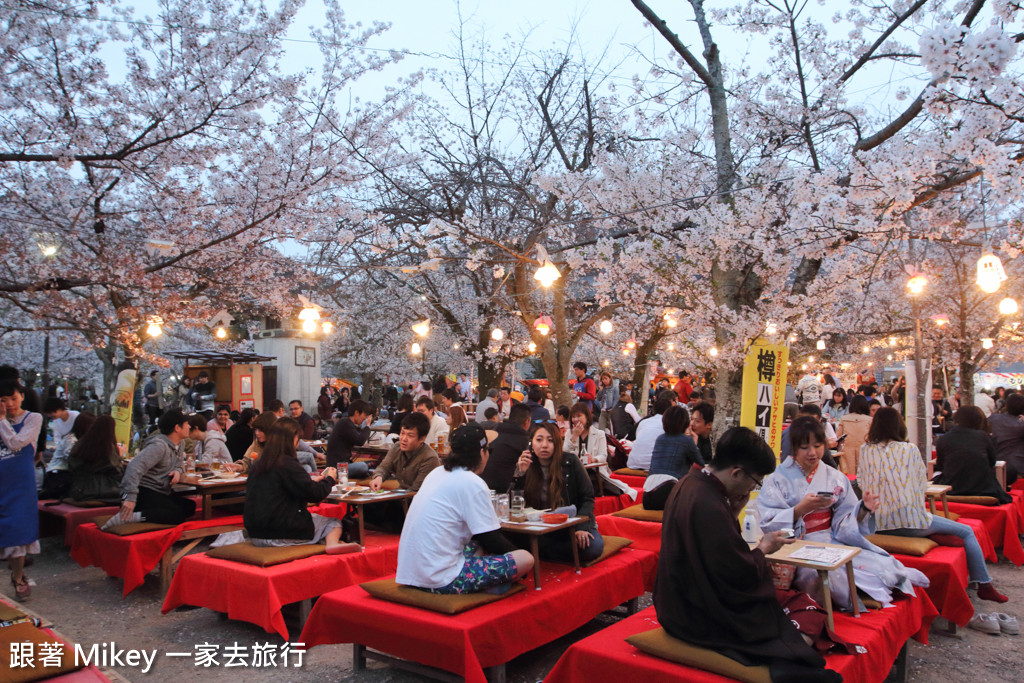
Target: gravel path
x=86, y=606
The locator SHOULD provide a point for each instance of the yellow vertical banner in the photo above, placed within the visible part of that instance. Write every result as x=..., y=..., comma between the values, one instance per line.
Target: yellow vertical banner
x=121, y=405
x=764, y=391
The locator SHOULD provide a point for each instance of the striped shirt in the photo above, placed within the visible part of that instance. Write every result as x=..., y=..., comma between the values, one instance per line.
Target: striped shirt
x=896, y=472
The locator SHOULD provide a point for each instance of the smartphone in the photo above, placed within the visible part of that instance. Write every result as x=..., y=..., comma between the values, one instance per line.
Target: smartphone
x=842, y=438
x=825, y=494
x=786, y=533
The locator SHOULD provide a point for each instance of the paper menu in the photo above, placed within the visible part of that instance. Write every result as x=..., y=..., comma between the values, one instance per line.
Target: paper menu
x=820, y=554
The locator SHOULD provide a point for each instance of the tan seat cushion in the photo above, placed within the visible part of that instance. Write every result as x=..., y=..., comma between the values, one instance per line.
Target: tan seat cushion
x=951, y=516
x=387, y=589
x=660, y=644
x=612, y=545
x=27, y=633
x=88, y=503
x=131, y=528
x=10, y=612
x=974, y=500
x=639, y=513
x=247, y=553
x=904, y=545
x=631, y=471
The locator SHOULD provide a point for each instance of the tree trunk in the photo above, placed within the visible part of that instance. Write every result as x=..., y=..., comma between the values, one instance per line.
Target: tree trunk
x=967, y=368
x=487, y=378
x=373, y=389
x=107, y=355
x=643, y=359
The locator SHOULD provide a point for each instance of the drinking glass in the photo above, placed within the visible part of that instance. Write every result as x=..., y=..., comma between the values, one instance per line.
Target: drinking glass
x=215, y=465
x=343, y=475
x=501, y=506
x=517, y=507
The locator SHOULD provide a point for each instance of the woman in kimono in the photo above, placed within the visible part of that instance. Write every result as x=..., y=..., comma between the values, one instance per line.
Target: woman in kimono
x=19, y=515
x=817, y=502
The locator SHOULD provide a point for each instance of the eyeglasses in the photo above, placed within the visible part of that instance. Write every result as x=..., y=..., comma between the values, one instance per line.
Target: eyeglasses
x=748, y=475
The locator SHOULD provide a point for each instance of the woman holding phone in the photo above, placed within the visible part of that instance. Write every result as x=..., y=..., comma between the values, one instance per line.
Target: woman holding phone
x=817, y=502
x=553, y=479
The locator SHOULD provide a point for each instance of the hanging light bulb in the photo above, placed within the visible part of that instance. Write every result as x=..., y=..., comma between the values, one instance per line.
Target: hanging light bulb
x=892, y=341
x=987, y=343
x=770, y=329
x=1008, y=306
x=309, y=326
x=155, y=326
x=415, y=348
x=990, y=272
x=606, y=363
x=221, y=333
x=713, y=352
x=309, y=313
x=821, y=344
x=422, y=328
x=455, y=346
x=606, y=327
x=866, y=349
x=631, y=344
x=810, y=359
x=625, y=352
x=327, y=326
x=497, y=334
x=940, y=319
x=547, y=274
x=543, y=324
x=532, y=348
x=916, y=284
x=670, y=318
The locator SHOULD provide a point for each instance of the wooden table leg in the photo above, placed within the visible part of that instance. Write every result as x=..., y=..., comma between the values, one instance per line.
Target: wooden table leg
x=535, y=551
x=823, y=574
x=931, y=505
x=945, y=506
x=853, y=588
x=207, y=506
x=362, y=530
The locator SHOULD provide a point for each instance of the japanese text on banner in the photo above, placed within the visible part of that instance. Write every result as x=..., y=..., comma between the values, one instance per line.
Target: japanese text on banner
x=764, y=391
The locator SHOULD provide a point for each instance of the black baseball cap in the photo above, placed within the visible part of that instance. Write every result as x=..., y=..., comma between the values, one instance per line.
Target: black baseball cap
x=468, y=438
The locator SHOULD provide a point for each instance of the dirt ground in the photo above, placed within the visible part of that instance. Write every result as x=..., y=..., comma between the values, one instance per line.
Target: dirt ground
x=86, y=606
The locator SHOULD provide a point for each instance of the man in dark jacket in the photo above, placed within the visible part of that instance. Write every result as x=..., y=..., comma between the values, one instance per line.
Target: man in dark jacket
x=513, y=438
x=533, y=399
x=350, y=431
x=1008, y=433
x=304, y=419
x=711, y=589
x=146, y=489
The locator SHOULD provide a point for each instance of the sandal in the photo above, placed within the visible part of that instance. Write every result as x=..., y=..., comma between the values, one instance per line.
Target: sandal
x=22, y=589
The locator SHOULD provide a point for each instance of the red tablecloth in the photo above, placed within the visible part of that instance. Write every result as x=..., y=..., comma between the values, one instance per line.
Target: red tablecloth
x=946, y=568
x=984, y=539
x=645, y=535
x=1002, y=522
x=606, y=656
x=257, y=594
x=132, y=557
x=71, y=515
x=487, y=636
x=633, y=480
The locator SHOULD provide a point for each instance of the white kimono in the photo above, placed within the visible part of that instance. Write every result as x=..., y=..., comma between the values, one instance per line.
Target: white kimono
x=876, y=571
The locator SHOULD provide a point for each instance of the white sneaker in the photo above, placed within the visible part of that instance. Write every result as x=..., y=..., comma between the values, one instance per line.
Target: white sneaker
x=1007, y=624
x=986, y=623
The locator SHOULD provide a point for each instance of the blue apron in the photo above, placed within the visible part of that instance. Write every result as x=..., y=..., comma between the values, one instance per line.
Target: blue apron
x=19, y=512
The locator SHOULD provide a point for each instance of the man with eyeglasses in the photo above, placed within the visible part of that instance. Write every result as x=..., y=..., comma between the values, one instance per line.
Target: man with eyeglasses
x=712, y=589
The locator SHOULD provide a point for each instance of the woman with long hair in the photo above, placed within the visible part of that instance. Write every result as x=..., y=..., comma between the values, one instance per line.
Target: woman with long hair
x=19, y=515
x=277, y=493
x=895, y=470
x=855, y=426
x=261, y=426
x=456, y=417
x=553, y=479
x=405, y=406
x=829, y=386
x=95, y=462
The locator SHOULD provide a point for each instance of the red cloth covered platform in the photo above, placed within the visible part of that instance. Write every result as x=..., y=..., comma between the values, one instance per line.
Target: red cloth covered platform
x=52, y=514
x=132, y=557
x=606, y=656
x=984, y=539
x=633, y=480
x=1002, y=522
x=487, y=636
x=946, y=568
x=256, y=594
x=645, y=535
x=605, y=505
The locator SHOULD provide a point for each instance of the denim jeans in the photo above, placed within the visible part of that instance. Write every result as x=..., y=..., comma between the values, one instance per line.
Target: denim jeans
x=940, y=525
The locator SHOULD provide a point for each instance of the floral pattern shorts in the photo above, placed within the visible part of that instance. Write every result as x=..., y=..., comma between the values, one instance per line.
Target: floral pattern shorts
x=480, y=572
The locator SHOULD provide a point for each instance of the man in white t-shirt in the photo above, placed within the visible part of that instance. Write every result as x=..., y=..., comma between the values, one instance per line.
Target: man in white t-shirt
x=647, y=432
x=62, y=421
x=985, y=402
x=438, y=425
x=452, y=542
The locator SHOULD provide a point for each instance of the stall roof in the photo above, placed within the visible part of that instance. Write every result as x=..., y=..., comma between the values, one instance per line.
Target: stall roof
x=213, y=357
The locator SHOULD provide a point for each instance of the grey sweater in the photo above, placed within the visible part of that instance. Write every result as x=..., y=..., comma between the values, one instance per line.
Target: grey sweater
x=152, y=467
